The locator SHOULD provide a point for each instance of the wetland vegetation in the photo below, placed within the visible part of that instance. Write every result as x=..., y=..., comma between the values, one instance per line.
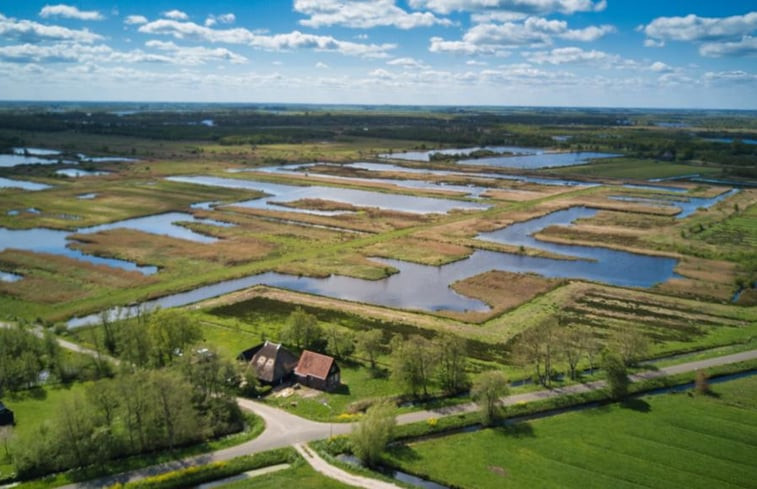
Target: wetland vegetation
x=395, y=224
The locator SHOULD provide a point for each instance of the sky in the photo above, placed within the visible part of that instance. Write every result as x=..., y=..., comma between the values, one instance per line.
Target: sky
x=598, y=53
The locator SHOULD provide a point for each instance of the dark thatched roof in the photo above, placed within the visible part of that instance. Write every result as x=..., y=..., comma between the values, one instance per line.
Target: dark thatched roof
x=272, y=362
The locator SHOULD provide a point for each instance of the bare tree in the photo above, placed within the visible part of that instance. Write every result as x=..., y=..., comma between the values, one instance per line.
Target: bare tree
x=537, y=347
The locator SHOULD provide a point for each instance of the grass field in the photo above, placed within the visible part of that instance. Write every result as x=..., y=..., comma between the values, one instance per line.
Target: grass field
x=634, y=168
x=665, y=441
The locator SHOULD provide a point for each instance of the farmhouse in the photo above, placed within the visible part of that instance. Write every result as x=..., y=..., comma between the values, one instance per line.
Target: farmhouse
x=6, y=415
x=317, y=371
x=272, y=362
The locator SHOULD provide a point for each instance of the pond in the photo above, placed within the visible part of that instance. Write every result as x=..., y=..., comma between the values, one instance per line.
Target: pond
x=21, y=184
x=89, y=196
x=77, y=173
x=36, y=151
x=426, y=155
x=544, y=160
x=730, y=140
x=41, y=240
x=688, y=205
x=361, y=198
x=9, y=277
x=8, y=161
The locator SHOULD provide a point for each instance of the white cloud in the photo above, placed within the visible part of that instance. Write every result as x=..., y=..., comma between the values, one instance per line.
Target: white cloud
x=196, y=55
x=747, y=46
x=660, y=67
x=407, y=63
x=176, y=15
x=69, y=12
x=135, y=20
x=34, y=32
x=524, y=6
x=220, y=19
x=695, y=28
x=736, y=76
x=588, y=34
x=533, y=31
x=571, y=55
x=439, y=45
x=275, y=42
x=321, y=65
x=363, y=14
x=83, y=54
x=473, y=62
x=651, y=43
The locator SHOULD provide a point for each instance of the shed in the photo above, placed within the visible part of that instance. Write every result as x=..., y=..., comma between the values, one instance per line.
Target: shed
x=6, y=415
x=272, y=362
x=317, y=371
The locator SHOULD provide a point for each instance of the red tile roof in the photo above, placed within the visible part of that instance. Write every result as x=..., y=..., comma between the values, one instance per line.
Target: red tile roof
x=314, y=364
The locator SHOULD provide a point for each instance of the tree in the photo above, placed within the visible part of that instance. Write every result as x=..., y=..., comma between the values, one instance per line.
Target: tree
x=573, y=343
x=453, y=361
x=413, y=363
x=630, y=344
x=616, y=375
x=109, y=334
x=487, y=390
x=372, y=433
x=340, y=344
x=701, y=382
x=301, y=329
x=537, y=347
x=170, y=332
x=369, y=344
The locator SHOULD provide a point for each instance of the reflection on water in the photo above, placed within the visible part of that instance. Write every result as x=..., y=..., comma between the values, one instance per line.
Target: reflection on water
x=546, y=160
x=76, y=173
x=426, y=155
x=359, y=198
x=688, y=205
x=9, y=277
x=23, y=185
x=56, y=242
x=428, y=288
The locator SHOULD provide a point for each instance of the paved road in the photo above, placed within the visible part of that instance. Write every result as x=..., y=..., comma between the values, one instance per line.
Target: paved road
x=336, y=473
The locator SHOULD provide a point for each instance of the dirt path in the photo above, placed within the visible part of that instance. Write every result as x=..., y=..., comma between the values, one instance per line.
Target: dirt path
x=336, y=473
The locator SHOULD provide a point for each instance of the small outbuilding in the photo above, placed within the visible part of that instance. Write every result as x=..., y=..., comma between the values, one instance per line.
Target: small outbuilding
x=272, y=362
x=6, y=415
x=317, y=371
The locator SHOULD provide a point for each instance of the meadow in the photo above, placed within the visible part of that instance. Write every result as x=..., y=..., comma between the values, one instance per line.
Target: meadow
x=670, y=440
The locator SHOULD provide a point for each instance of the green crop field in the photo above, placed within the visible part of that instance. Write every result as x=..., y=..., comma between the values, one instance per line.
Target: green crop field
x=665, y=441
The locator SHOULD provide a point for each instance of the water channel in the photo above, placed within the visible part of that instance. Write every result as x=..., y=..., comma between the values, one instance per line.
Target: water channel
x=361, y=198
x=427, y=287
x=43, y=240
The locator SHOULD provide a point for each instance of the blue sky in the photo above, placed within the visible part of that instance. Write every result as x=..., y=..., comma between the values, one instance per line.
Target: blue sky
x=663, y=53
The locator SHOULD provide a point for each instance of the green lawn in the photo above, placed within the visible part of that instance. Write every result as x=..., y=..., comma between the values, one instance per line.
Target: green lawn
x=358, y=383
x=634, y=168
x=662, y=441
x=300, y=476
